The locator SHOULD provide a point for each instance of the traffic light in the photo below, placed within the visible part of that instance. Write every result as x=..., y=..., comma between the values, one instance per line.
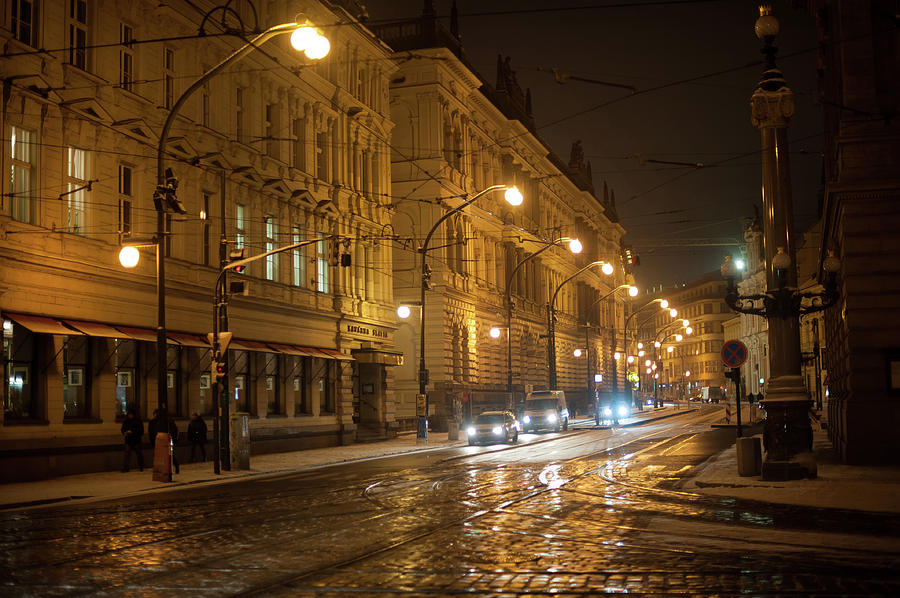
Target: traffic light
x=630, y=257
x=236, y=255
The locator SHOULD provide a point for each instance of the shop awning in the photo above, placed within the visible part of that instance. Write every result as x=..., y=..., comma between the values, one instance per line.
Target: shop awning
x=335, y=354
x=188, y=340
x=250, y=346
x=96, y=329
x=41, y=324
x=290, y=350
x=141, y=334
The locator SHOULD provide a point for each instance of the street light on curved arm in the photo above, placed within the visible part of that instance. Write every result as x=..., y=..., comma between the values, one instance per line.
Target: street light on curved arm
x=607, y=269
x=575, y=247
x=165, y=200
x=513, y=197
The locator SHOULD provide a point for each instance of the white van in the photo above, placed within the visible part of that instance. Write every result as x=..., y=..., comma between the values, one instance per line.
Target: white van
x=545, y=409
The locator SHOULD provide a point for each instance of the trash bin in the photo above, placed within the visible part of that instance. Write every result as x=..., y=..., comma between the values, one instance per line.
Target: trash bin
x=749, y=456
x=240, y=441
x=453, y=429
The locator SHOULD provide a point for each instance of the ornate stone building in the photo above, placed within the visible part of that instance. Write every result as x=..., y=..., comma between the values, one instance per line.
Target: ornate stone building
x=456, y=135
x=859, y=82
x=272, y=151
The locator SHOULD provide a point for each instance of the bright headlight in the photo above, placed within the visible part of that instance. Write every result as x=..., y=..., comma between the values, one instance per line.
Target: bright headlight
x=498, y=430
x=607, y=411
x=551, y=418
x=470, y=431
x=527, y=419
x=623, y=410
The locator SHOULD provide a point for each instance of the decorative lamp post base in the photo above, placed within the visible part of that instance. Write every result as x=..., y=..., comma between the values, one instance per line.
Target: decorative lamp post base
x=787, y=433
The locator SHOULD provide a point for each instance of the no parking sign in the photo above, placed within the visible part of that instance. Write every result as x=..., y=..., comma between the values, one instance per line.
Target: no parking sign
x=734, y=353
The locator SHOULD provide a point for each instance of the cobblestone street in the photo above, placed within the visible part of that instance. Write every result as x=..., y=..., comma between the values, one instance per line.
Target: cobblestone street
x=582, y=513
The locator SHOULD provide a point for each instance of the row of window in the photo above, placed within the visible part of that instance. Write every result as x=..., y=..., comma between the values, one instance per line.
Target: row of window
x=286, y=384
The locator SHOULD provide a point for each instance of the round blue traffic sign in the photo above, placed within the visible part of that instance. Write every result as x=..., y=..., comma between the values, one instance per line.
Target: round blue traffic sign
x=734, y=353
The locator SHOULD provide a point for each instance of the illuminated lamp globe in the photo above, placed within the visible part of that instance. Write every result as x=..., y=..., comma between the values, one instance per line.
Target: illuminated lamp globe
x=577, y=352
x=575, y=246
x=129, y=256
x=607, y=268
x=632, y=291
x=648, y=370
x=640, y=345
x=673, y=312
x=687, y=373
x=653, y=367
x=647, y=363
x=631, y=359
x=670, y=349
x=302, y=37
x=657, y=344
x=689, y=330
x=617, y=356
x=685, y=323
x=495, y=332
x=403, y=311
x=664, y=303
x=513, y=196
x=678, y=338
x=318, y=48
x=640, y=353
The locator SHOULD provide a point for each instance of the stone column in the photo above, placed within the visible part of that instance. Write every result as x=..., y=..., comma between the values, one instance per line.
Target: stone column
x=787, y=434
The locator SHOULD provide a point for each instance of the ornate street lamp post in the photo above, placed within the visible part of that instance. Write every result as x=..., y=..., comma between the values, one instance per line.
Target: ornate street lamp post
x=304, y=37
x=514, y=197
x=607, y=269
x=574, y=247
x=787, y=435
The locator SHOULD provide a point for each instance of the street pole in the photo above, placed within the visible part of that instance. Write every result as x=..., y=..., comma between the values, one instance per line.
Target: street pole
x=422, y=418
x=165, y=190
x=787, y=430
x=551, y=317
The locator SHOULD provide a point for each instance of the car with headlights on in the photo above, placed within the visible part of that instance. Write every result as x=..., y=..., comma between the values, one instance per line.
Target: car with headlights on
x=493, y=426
x=545, y=409
x=615, y=410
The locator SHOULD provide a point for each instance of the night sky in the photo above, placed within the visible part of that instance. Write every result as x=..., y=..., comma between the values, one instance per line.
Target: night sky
x=647, y=44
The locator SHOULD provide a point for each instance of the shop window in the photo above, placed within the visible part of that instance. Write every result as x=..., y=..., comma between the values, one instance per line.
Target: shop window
x=240, y=381
x=173, y=382
x=322, y=384
x=125, y=361
x=76, y=377
x=19, y=364
x=274, y=404
x=300, y=384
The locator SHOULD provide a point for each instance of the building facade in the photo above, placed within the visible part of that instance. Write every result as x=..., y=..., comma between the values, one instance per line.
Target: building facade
x=859, y=74
x=456, y=135
x=274, y=151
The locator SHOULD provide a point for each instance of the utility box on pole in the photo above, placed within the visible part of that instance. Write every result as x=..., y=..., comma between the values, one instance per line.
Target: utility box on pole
x=240, y=441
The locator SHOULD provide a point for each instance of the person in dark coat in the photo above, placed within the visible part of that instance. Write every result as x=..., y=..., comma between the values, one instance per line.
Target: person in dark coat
x=196, y=433
x=152, y=428
x=132, y=432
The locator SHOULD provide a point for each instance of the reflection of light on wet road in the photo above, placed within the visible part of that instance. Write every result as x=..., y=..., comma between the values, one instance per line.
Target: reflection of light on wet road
x=550, y=476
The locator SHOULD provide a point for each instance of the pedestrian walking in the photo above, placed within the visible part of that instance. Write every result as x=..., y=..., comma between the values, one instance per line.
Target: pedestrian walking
x=196, y=433
x=132, y=432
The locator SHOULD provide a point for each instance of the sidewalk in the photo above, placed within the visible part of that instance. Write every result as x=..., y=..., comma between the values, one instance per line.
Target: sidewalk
x=104, y=485
x=838, y=486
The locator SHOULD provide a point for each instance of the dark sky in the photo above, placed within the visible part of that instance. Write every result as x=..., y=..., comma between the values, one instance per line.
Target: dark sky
x=646, y=44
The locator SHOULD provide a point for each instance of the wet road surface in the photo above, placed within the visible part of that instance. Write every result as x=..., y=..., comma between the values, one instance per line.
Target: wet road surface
x=581, y=513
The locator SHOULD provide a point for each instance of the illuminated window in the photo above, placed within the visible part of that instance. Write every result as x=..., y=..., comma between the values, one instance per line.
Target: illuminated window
x=77, y=183
x=21, y=174
x=271, y=240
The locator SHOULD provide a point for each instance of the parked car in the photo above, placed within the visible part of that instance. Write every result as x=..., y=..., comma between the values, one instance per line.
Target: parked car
x=546, y=409
x=493, y=426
